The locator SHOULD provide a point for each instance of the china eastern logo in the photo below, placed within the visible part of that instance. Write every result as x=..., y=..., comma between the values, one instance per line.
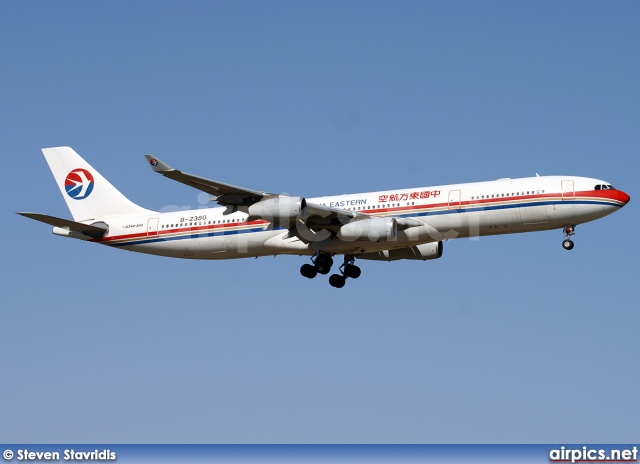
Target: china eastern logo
x=79, y=184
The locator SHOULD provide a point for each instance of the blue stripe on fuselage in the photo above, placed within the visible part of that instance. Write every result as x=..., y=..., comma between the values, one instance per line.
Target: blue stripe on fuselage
x=468, y=209
x=187, y=236
x=472, y=208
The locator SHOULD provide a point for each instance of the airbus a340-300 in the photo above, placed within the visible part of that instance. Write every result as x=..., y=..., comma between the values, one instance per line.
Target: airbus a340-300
x=409, y=223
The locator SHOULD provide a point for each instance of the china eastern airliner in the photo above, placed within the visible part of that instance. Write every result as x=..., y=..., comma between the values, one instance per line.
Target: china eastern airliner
x=406, y=223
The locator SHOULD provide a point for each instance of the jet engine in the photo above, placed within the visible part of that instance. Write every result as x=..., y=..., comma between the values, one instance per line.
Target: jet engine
x=280, y=210
x=422, y=252
x=374, y=229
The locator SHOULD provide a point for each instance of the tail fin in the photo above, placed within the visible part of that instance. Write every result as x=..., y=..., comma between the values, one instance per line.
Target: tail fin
x=87, y=193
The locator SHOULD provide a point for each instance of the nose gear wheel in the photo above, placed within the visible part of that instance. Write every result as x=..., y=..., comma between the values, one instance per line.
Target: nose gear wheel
x=567, y=243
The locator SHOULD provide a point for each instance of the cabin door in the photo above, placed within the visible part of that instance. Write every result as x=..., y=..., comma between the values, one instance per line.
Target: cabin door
x=454, y=199
x=152, y=227
x=568, y=193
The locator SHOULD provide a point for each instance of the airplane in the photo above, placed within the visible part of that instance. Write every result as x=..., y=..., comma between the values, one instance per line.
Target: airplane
x=408, y=223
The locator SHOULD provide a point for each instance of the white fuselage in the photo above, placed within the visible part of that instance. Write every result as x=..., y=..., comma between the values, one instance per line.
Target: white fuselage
x=446, y=212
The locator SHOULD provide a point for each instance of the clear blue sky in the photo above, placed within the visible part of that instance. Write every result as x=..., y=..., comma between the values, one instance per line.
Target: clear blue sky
x=504, y=339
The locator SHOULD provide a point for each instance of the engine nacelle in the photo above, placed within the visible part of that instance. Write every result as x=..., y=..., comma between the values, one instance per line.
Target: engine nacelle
x=422, y=252
x=280, y=210
x=374, y=230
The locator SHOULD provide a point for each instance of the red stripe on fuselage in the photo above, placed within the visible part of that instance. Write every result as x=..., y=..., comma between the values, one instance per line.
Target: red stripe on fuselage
x=165, y=232
x=612, y=195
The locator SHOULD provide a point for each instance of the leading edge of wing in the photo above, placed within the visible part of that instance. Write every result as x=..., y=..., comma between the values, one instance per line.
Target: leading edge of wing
x=226, y=194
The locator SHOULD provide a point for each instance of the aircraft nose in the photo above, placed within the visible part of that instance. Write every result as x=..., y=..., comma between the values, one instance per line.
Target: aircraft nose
x=624, y=197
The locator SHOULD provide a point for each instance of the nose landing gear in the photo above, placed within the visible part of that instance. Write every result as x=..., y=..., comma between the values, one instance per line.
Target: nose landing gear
x=567, y=243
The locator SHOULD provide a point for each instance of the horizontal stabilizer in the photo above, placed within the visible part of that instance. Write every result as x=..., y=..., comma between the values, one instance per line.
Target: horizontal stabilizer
x=87, y=229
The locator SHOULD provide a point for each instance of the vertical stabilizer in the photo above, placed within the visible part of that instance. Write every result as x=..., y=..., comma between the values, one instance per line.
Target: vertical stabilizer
x=88, y=195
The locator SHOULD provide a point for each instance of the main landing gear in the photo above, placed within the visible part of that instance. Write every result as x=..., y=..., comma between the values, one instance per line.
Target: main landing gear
x=567, y=243
x=348, y=269
x=322, y=265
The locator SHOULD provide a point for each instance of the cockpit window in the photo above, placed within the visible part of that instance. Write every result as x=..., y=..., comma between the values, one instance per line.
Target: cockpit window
x=604, y=187
x=598, y=187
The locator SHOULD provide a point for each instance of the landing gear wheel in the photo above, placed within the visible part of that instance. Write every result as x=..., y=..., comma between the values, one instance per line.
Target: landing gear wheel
x=568, y=230
x=323, y=263
x=309, y=271
x=352, y=271
x=337, y=281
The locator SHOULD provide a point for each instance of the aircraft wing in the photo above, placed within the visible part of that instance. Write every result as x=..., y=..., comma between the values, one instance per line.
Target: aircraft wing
x=225, y=194
x=314, y=216
x=87, y=229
